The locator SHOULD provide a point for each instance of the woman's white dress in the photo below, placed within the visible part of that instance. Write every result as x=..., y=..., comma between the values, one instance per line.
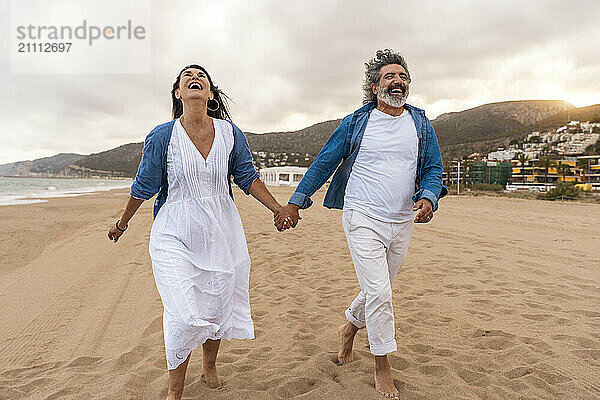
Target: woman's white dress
x=198, y=249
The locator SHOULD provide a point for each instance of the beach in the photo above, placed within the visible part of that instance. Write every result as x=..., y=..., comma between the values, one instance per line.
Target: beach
x=499, y=298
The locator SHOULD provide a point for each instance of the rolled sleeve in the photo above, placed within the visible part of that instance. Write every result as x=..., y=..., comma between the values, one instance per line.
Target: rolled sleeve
x=427, y=194
x=148, y=179
x=431, y=185
x=322, y=167
x=240, y=165
x=301, y=200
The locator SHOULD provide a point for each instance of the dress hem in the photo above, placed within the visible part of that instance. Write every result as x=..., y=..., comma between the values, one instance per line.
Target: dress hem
x=241, y=334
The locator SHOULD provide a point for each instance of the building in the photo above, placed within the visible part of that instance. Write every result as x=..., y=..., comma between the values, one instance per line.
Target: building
x=591, y=174
x=489, y=172
x=532, y=173
x=503, y=155
x=282, y=176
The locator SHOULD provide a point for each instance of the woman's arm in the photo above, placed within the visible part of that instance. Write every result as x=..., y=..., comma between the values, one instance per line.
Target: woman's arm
x=259, y=191
x=132, y=206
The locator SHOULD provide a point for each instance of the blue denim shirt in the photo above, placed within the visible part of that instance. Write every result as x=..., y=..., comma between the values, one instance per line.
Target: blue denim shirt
x=343, y=145
x=151, y=177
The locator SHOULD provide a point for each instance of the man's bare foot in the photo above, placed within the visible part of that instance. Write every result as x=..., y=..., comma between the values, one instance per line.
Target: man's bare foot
x=347, y=333
x=384, y=382
x=211, y=377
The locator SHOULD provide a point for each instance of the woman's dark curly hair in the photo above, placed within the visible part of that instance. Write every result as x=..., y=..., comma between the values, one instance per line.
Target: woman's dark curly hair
x=222, y=112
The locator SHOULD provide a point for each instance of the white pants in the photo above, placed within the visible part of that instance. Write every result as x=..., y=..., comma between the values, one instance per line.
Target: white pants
x=378, y=250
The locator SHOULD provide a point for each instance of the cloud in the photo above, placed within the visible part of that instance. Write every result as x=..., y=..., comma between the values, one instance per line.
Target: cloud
x=287, y=65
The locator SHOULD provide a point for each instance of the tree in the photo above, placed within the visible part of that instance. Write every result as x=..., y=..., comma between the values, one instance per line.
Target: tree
x=448, y=170
x=522, y=158
x=546, y=163
x=583, y=164
x=563, y=191
x=467, y=164
x=563, y=170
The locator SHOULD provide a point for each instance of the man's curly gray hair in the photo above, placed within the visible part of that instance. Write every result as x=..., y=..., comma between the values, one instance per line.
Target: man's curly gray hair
x=373, y=71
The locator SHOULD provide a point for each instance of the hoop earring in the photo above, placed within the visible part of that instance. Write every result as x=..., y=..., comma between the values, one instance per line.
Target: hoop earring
x=212, y=109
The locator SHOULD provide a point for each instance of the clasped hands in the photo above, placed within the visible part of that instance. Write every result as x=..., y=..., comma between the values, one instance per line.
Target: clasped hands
x=286, y=217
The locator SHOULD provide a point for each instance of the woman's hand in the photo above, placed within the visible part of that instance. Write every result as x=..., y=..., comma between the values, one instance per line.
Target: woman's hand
x=287, y=217
x=114, y=234
x=115, y=231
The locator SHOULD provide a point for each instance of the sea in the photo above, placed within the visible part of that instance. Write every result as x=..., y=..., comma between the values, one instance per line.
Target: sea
x=17, y=190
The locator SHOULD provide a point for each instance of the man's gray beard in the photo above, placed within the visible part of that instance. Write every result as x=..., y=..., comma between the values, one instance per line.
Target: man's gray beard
x=390, y=99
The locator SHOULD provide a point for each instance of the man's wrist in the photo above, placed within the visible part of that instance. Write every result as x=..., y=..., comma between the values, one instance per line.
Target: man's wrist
x=295, y=206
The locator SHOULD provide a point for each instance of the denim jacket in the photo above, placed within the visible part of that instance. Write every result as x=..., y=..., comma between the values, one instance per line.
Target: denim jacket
x=151, y=177
x=343, y=145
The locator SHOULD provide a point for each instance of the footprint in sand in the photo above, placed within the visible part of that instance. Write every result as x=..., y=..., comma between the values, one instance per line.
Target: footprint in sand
x=296, y=387
x=473, y=378
x=588, y=354
x=239, y=351
x=433, y=370
x=154, y=327
x=518, y=372
x=398, y=363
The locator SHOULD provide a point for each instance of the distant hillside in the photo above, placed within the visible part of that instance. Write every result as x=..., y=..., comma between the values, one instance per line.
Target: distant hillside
x=483, y=145
x=589, y=113
x=122, y=160
x=478, y=129
x=475, y=124
x=491, y=120
x=308, y=140
x=42, y=166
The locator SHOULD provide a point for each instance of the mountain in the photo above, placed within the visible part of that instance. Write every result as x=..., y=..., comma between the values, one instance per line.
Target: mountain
x=502, y=139
x=589, y=113
x=42, y=166
x=308, y=140
x=478, y=129
x=486, y=123
x=122, y=161
x=494, y=119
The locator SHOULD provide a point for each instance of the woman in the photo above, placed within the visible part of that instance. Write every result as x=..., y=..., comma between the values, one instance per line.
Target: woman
x=197, y=244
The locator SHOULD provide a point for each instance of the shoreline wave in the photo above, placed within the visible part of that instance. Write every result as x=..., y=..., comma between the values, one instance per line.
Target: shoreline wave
x=42, y=194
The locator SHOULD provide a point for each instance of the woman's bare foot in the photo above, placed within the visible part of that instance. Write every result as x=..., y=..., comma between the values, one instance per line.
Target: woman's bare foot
x=384, y=382
x=211, y=377
x=347, y=333
x=210, y=348
x=174, y=394
x=176, y=380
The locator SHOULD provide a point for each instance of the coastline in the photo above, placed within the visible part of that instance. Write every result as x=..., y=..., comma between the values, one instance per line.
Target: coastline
x=495, y=300
x=29, y=190
x=116, y=178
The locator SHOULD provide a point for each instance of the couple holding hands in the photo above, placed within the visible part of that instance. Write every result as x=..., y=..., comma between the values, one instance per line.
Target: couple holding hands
x=388, y=175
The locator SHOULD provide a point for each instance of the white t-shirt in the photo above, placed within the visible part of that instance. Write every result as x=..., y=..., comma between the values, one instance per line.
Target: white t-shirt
x=382, y=180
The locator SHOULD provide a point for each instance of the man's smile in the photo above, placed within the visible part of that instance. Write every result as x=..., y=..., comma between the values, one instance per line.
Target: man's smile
x=396, y=89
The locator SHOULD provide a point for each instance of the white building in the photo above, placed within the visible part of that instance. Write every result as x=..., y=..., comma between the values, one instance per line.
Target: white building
x=504, y=155
x=282, y=176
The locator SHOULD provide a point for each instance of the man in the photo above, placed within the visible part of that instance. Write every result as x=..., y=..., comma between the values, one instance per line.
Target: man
x=391, y=167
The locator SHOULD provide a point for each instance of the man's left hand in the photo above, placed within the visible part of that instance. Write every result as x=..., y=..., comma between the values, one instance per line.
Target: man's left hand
x=425, y=213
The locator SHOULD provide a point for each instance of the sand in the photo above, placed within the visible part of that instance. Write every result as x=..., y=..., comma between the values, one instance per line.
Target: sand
x=498, y=299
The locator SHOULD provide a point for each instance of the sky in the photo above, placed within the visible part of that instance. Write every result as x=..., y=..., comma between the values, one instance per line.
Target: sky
x=287, y=65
